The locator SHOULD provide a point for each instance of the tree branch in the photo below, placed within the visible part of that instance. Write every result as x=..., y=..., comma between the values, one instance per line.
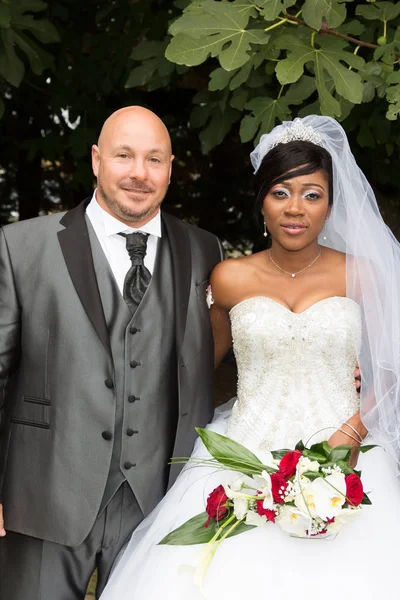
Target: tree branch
x=326, y=31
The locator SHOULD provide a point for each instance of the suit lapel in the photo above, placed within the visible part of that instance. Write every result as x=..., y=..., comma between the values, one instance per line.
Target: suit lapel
x=77, y=252
x=178, y=238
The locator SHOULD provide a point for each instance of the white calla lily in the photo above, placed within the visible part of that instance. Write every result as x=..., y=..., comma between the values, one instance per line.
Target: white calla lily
x=345, y=516
x=305, y=464
x=294, y=521
x=264, y=485
x=329, y=495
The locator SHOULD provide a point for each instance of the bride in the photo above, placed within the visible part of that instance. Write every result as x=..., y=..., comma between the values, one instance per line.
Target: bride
x=301, y=314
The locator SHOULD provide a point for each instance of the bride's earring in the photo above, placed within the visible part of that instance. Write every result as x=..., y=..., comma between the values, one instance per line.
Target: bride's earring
x=265, y=230
x=323, y=230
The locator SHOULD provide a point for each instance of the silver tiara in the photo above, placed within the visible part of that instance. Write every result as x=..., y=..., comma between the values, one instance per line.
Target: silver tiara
x=298, y=131
x=288, y=131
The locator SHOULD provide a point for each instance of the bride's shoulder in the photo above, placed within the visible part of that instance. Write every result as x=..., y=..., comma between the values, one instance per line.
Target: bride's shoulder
x=228, y=278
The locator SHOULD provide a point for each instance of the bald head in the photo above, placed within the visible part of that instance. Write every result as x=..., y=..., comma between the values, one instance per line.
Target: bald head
x=134, y=116
x=132, y=162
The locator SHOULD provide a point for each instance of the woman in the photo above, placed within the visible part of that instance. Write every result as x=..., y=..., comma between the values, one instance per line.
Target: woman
x=301, y=314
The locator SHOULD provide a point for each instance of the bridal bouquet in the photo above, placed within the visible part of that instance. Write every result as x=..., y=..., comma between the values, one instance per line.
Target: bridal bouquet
x=309, y=492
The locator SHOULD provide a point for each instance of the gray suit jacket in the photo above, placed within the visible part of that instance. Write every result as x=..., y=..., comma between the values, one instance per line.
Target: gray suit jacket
x=56, y=363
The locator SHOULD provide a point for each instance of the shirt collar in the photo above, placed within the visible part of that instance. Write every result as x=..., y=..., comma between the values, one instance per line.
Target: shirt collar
x=113, y=226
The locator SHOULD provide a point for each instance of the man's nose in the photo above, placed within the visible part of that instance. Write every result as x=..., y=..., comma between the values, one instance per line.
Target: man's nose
x=138, y=169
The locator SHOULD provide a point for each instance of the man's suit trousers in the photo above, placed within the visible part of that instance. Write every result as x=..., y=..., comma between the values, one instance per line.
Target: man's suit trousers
x=33, y=569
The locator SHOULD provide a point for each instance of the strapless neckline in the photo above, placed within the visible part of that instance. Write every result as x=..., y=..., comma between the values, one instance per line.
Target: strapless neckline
x=286, y=309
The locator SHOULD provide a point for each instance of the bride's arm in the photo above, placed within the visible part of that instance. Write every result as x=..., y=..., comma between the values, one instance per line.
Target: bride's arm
x=223, y=286
x=351, y=433
x=221, y=327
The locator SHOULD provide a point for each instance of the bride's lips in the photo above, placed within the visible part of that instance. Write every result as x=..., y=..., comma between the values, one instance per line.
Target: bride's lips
x=294, y=228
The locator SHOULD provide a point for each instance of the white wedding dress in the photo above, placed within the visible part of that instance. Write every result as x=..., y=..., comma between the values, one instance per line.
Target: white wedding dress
x=296, y=377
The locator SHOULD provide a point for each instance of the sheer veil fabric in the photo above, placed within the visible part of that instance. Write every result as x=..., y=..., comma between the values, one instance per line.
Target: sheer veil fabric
x=356, y=227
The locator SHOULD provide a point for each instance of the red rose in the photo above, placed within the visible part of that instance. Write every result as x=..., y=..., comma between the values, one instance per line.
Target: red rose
x=217, y=504
x=288, y=464
x=354, y=489
x=265, y=512
x=278, y=482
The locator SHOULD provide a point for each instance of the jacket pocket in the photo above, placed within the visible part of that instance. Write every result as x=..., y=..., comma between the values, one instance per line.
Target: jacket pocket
x=33, y=411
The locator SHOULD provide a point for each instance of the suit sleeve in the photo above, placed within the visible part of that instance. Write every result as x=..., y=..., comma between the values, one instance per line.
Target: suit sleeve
x=10, y=322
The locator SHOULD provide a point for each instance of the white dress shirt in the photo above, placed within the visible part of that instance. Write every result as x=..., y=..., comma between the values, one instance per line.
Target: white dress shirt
x=107, y=229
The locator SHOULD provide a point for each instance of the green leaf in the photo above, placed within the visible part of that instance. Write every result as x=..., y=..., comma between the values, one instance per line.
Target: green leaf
x=340, y=453
x=301, y=90
x=346, y=468
x=367, y=447
x=379, y=11
x=321, y=458
x=327, y=60
x=193, y=531
x=149, y=49
x=366, y=500
x=322, y=448
x=219, y=79
x=332, y=11
x=5, y=16
x=39, y=59
x=19, y=6
x=42, y=29
x=271, y=9
x=11, y=66
x=231, y=453
x=311, y=475
x=278, y=454
x=141, y=75
x=219, y=31
x=239, y=99
x=266, y=112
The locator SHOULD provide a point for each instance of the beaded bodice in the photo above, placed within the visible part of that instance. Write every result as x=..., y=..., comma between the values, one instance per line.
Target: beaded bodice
x=295, y=370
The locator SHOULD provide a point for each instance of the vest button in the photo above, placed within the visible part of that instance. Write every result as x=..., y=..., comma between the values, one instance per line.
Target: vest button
x=132, y=399
x=107, y=435
x=130, y=431
x=134, y=330
x=134, y=364
x=129, y=465
x=109, y=383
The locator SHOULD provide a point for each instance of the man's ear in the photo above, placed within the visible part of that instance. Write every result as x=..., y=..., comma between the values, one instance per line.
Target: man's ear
x=95, y=159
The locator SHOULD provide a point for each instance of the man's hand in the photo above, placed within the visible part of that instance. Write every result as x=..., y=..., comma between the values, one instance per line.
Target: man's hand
x=357, y=377
x=2, y=530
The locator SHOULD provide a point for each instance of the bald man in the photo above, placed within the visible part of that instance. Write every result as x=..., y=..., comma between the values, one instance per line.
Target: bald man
x=106, y=362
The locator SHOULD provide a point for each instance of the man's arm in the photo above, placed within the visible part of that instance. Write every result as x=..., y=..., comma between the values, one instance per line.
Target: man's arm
x=10, y=323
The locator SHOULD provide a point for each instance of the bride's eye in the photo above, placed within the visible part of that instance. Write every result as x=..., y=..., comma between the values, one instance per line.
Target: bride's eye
x=312, y=196
x=280, y=194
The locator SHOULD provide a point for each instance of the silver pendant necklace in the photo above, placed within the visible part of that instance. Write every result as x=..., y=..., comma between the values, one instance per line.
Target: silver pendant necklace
x=297, y=272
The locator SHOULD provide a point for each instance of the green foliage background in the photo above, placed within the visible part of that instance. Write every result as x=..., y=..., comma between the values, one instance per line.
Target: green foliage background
x=219, y=72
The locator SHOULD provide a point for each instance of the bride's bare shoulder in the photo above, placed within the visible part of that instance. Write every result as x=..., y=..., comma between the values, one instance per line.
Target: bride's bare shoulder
x=229, y=278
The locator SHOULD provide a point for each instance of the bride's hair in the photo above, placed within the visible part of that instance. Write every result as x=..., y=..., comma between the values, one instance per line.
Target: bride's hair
x=286, y=161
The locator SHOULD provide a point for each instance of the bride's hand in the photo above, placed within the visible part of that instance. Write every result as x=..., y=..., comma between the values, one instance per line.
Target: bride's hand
x=338, y=439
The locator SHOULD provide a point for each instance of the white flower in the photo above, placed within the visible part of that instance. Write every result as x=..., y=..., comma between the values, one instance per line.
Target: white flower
x=294, y=521
x=240, y=500
x=305, y=464
x=305, y=501
x=253, y=518
x=209, y=298
x=345, y=516
x=329, y=495
x=264, y=485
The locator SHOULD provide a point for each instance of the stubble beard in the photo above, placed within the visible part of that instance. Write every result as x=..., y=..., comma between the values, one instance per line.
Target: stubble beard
x=126, y=213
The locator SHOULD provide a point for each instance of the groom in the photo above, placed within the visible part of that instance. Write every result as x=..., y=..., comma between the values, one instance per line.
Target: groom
x=106, y=365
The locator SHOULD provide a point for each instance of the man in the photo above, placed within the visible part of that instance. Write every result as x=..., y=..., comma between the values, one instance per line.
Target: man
x=106, y=363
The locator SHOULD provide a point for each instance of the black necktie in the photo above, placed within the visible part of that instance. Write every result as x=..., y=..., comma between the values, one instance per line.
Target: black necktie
x=138, y=277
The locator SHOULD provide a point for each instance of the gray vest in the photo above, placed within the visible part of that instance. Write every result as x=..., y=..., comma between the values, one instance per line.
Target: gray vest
x=145, y=379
